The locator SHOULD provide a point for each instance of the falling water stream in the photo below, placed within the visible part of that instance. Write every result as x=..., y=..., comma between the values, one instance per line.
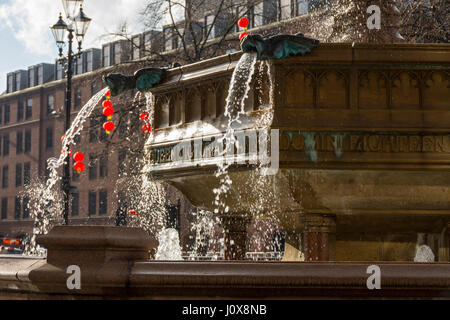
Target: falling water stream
x=46, y=199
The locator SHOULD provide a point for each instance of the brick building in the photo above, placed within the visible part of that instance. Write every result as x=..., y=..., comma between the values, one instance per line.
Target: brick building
x=32, y=122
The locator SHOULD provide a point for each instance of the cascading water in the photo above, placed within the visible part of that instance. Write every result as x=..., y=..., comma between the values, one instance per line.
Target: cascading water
x=235, y=102
x=45, y=199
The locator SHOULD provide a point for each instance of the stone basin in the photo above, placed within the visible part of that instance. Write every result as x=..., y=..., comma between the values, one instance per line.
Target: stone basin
x=363, y=137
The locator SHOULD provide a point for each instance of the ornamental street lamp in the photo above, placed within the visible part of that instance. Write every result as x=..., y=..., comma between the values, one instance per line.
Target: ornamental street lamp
x=81, y=23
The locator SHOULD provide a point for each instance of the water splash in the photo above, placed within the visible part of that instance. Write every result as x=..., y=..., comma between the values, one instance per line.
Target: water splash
x=46, y=198
x=169, y=245
x=235, y=103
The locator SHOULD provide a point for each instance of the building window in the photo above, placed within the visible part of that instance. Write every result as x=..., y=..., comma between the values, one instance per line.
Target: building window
x=4, y=208
x=209, y=28
x=6, y=145
x=103, y=203
x=29, y=110
x=18, y=175
x=27, y=141
x=75, y=204
x=92, y=203
x=19, y=111
x=77, y=98
x=31, y=77
x=103, y=166
x=7, y=116
x=302, y=7
x=136, y=50
x=18, y=208
x=49, y=139
x=89, y=61
x=26, y=209
x=106, y=56
x=59, y=70
x=19, y=142
x=26, y=174
x=40, y=75
x=18, y=82
x=79, y=66
x=93, y=167
x=10, y=83
x=5, y=174
x=93, y=131
x=50, y=104
x=117, y=53
x=75, y=174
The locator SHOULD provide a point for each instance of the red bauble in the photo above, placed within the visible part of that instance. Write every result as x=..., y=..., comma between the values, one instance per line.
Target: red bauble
x=107, y=104
x=79, y=167
x=108, y=111
x=134, y=213
x=108, y=93
x=108, y=126
x=78, y=157
x=144, y=116
x=146, y=128
x=242, y=35
x=243, y=22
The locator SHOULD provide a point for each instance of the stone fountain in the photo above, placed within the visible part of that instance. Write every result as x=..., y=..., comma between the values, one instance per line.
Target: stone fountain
x=358, y=145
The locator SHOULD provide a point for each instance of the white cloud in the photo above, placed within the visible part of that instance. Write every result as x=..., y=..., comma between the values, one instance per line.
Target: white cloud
x=29, y=21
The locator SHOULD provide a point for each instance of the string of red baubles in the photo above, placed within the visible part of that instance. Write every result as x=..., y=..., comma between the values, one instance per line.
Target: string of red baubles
x=243, y=23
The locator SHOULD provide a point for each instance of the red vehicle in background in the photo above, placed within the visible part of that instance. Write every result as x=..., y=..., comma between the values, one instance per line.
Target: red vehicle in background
x=11, y=246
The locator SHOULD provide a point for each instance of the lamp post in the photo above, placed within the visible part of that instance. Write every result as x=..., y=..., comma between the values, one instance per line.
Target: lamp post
x=79, y=24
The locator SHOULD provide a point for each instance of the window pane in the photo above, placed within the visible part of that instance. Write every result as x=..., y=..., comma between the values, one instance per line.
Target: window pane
x=26, y=209
x=50, y=104
x=103, y=203
x=18, y=175
x=7, y=113
x=29, y=110
x=103, y=166
x=75, y=204
x=19, y=142
x=49, y=139
x=26, y=173
x=4, y=208
x=92, y=203
x=6, y=145
x=28, y=141
x=93, y=167
x=18, y=208
x=5, y=177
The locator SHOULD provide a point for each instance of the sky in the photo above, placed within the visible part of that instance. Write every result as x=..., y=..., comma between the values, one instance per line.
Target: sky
x=26, y=40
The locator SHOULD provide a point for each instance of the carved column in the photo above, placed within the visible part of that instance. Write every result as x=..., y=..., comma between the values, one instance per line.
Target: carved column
x=317, y=235
x=235, y=236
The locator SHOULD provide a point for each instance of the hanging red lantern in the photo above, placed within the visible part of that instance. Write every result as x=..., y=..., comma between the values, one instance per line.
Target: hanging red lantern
x=108, y=93
x=78, y=157
x=108, y=126
x=243, y=22
x=108, y=112
x=146, y=128
x=145, y=116
x=79, y=167
x=242, y=35
x=107, y=104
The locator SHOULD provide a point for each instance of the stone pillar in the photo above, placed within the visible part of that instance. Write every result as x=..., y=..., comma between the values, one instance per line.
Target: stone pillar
x=104, y=256
x=235, y=236
x=318, y=232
